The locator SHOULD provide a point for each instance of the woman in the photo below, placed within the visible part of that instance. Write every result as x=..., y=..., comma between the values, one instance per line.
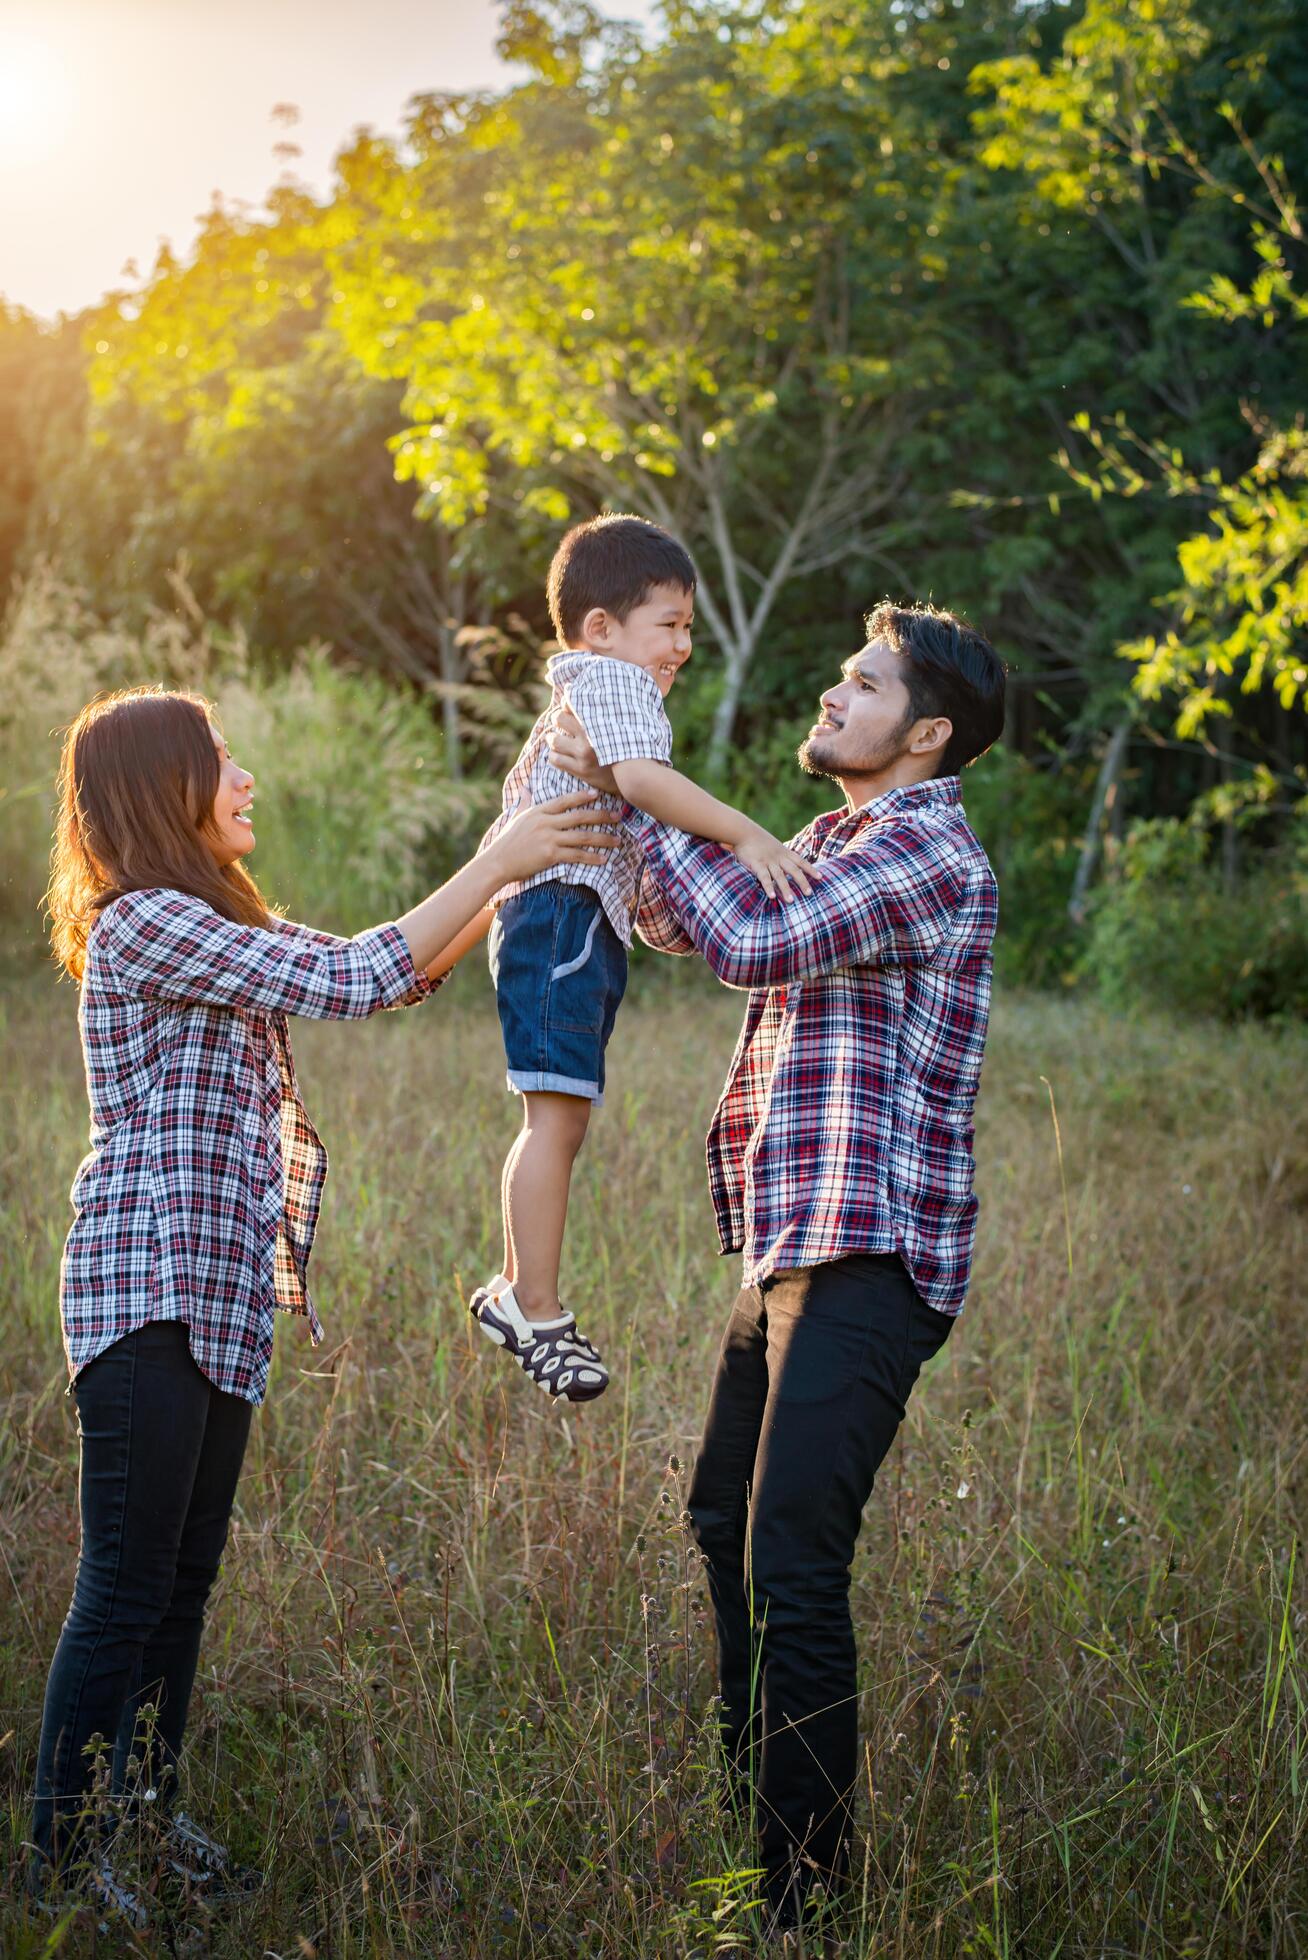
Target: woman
x=195, y=1210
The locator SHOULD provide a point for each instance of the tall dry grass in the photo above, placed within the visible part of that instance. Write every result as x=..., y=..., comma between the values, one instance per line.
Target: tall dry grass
x=456, y=1686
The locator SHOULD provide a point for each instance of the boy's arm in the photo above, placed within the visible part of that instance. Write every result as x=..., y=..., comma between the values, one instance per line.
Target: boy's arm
x=663, y=792
x=619, y=710
x=669, y=797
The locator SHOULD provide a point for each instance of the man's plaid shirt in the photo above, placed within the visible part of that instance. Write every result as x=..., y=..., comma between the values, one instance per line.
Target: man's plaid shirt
x=620, y=707
x=846, y=1121
x=200, y=1196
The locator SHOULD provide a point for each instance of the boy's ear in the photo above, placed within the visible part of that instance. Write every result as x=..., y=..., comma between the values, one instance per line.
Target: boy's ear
x=595, y=626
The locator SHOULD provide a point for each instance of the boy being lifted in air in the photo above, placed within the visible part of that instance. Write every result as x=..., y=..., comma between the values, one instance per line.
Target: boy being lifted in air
x=621, y=596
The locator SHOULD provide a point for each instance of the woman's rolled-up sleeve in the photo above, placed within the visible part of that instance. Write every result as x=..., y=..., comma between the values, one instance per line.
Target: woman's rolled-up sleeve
x=169, y=945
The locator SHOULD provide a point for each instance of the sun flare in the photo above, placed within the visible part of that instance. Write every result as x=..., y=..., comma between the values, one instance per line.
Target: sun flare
x=33, y=97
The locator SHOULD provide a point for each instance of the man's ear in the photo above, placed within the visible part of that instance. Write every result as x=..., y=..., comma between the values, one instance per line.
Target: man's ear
x=932, y=736
x=595, y=627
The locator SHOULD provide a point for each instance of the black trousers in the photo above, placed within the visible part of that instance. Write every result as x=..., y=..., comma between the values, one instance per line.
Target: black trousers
x=814, y=1372
x=161, y=1452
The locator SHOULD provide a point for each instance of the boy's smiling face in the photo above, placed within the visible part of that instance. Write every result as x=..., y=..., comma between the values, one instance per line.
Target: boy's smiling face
x=655, y=634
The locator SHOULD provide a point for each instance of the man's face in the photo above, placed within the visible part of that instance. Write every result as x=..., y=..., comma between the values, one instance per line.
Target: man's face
x=866, y=723
x=655, y=635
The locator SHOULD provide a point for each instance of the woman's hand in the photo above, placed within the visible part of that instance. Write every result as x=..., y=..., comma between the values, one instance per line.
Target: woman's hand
x=572, y=753
x=563, y=831
x=570, y=830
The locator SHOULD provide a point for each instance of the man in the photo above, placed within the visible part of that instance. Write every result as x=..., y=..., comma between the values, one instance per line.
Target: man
x=840, y=1161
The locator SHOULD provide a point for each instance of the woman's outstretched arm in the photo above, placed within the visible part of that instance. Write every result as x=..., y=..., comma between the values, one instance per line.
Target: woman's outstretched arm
x=168, y=945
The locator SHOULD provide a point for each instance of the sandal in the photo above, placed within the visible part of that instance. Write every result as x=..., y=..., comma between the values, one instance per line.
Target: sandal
x=550, y=1352
x=206, y=1864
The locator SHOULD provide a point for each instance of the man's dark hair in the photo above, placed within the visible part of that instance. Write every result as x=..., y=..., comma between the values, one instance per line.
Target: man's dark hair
x=614, y=562
x=949, y=669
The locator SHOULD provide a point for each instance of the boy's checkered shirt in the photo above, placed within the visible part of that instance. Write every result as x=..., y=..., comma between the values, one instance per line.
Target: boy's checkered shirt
x=200, y=1196
x=846, y=1122
x=620, y=708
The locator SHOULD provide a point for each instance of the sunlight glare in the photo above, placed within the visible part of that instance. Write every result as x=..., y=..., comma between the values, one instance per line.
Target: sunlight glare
x=33, y=99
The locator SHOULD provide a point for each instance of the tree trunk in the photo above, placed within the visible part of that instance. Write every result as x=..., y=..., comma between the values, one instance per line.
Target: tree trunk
x=1230, y=836
x=452, y=668
x=737, y=657
x=1104, y=797
x=739, y=644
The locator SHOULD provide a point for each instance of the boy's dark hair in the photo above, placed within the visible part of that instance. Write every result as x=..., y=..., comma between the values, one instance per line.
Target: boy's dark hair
x=949, y=669
x=614, y=562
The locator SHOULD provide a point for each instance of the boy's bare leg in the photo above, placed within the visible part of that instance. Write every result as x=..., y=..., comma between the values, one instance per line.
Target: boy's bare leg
x=537, y=1176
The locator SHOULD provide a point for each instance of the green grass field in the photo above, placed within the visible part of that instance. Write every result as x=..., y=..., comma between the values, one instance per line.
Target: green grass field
x=455, y=1690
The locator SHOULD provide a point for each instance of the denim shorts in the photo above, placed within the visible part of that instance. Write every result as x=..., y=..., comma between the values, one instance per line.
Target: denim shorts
x=560, y=972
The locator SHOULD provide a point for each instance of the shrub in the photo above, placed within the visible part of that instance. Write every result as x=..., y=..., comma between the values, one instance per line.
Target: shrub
x=1166, y=932
x=1029, y=817
x=356, y=816
x=54, y=655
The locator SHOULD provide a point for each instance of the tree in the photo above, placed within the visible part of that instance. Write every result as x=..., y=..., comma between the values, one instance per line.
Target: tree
x=670, y=300
x=1241, y=610
x=42, y=393
x=1120, y=132
x=231, y=421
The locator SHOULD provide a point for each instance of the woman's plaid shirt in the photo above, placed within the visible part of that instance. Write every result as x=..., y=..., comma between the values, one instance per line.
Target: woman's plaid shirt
x=200, y=1196
x=846, y=1121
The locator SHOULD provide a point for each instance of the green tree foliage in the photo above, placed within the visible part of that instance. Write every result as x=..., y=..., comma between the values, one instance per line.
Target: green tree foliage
x=670, y=300
x=1241, y=611
x=998, y=303
x=228, y=418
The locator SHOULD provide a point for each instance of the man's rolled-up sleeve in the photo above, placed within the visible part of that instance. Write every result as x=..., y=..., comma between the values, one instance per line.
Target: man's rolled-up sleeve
x=656, y=922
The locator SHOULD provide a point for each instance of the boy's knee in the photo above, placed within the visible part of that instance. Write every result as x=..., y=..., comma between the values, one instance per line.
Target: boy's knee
x=563, y=1118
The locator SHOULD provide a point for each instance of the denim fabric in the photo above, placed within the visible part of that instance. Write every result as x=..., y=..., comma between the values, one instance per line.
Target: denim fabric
x=560, y=972
x=815, y=1368
x=161, y=1451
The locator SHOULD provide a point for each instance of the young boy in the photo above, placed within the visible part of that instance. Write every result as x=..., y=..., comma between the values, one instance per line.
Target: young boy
x=621, y=596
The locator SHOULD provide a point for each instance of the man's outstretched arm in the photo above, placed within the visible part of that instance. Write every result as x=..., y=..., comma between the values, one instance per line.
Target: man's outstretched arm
x=891, y=903
x=656, y=922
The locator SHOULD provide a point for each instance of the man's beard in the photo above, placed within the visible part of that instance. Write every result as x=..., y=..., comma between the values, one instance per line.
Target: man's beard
x=815, y=756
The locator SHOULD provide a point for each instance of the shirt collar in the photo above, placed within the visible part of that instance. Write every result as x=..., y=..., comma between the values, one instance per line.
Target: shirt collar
x=914, y=796
x=565, y=655
x=938, y=792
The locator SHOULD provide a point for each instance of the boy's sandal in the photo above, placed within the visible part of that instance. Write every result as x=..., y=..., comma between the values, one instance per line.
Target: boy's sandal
x=206, y=1864
x=551, y=1353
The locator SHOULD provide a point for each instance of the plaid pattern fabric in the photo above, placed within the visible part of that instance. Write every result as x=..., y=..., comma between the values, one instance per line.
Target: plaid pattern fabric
x=200, y=1195
x=621, y=710
x=846, y=1121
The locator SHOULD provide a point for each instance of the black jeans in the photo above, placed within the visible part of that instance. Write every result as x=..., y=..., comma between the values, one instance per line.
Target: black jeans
x=161, y=1453
x=815, y=1369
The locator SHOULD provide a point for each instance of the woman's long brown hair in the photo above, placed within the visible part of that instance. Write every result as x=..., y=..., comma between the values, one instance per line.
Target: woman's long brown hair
x=137, y=782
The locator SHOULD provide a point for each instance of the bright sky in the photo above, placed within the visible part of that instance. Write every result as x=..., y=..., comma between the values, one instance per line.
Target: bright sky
x=119, y=118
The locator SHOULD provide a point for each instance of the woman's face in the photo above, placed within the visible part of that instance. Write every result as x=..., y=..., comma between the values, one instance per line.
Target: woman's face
x=231, y=830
